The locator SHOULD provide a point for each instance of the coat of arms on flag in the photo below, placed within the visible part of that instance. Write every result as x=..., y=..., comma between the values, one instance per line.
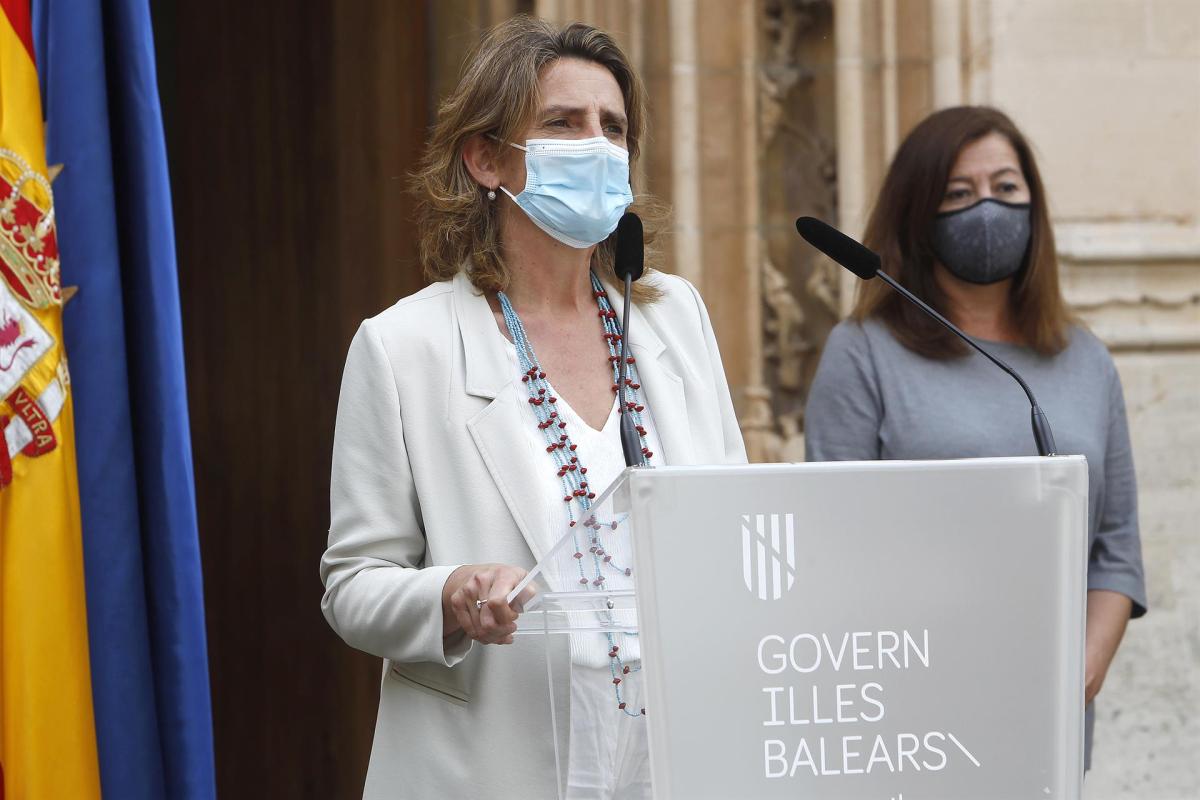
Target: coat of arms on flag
x=28, y=246
x=30, y=283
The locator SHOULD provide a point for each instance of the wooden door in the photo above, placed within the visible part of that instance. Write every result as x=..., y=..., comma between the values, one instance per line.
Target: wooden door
x=291, y=129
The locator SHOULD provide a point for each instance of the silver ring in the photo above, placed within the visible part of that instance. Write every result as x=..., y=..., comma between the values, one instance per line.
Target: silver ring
x=480, y=604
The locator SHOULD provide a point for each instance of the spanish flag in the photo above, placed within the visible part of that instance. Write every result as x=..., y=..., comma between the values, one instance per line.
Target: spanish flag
x=47, y=736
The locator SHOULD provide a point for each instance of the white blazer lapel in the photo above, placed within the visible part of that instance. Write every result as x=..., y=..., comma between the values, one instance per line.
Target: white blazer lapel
x=499, y=429
x=499, y=435
x=663, y=388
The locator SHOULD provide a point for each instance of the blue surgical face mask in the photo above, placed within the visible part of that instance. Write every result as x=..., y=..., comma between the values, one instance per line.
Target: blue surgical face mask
x=575, y=189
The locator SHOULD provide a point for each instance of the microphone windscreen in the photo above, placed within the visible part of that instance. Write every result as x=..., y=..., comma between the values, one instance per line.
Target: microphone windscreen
x=852, y=255
x=631, y=249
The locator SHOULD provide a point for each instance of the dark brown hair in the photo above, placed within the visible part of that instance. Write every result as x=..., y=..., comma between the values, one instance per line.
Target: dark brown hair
x=497, y=94
x=900, y=229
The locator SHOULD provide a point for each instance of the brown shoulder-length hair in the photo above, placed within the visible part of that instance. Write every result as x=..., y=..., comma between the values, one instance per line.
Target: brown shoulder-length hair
x=900, y=229
x=497, y=95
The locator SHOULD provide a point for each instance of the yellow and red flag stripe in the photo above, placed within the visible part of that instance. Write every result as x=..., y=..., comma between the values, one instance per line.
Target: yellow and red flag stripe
x=47, y=735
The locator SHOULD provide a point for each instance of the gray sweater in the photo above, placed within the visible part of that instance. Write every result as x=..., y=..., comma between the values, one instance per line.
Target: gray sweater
x=872, y=398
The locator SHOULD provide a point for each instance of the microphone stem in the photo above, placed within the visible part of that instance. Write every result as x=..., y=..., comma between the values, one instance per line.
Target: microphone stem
x=1041, y=426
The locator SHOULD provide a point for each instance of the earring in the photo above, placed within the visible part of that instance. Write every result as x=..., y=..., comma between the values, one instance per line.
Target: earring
x=491, y=194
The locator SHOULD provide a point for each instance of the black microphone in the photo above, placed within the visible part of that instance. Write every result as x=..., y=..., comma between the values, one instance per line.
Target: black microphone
x=628, y=264
x=865, y=263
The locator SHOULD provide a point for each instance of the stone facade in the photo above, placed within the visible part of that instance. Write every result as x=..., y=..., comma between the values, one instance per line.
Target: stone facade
x=763, y=110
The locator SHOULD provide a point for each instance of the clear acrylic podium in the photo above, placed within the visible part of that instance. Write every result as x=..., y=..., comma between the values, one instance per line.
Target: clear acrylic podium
x=839, y=630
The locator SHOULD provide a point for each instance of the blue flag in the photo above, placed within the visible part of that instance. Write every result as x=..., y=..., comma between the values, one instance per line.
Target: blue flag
x=124, y=341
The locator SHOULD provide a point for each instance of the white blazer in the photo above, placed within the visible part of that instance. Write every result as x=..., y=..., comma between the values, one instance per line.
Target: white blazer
x=431, y=470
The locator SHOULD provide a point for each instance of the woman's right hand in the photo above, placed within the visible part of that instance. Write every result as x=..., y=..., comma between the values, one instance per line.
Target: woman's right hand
x=491, y=622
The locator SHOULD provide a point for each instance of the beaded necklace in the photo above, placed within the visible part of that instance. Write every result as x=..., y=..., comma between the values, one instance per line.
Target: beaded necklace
x=569, y=469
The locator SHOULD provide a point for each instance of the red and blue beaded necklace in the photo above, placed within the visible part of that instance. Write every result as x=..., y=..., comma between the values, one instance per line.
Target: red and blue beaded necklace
x=568, y=466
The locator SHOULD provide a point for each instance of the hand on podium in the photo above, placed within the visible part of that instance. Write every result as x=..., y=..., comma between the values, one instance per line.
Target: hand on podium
x=473, y=601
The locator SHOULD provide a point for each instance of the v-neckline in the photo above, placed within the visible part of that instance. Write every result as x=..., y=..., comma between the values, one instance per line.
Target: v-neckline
x=608, y=421
x=511, y=350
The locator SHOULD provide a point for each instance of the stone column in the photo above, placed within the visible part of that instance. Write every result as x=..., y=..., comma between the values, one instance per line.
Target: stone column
x=686, y=169
x=947, y=53
x=852, y=77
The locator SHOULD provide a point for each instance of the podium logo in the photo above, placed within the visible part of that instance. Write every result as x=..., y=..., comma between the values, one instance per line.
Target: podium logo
x=768, y=554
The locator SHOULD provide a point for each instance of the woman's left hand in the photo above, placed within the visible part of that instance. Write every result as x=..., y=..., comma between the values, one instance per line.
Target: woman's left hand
x=475, y=600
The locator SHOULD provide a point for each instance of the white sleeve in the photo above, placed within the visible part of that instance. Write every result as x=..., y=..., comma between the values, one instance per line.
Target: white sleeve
x=379, y=596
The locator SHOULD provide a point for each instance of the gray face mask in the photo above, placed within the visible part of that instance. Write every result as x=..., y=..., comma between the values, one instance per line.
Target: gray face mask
x=983, y=243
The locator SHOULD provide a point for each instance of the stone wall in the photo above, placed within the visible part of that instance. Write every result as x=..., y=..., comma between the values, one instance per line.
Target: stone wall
x=1109, y=90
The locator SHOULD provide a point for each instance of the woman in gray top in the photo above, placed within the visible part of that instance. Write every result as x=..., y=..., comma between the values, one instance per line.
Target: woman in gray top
x=962, y=221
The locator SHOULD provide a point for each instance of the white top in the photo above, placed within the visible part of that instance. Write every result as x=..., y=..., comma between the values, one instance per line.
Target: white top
x=603, y=738
x=598, y=450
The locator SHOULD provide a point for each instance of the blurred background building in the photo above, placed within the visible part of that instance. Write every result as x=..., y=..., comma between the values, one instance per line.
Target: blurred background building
x=292, y=128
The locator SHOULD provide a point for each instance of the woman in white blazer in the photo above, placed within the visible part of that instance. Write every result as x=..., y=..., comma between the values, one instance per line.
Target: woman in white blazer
x=468, y=410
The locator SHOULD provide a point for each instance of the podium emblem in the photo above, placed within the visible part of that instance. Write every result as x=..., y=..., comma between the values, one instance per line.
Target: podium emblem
x=768, y=554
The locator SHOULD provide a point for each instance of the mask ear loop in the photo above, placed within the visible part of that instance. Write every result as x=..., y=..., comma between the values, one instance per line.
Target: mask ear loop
x=492, y=192
x=496, y=139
